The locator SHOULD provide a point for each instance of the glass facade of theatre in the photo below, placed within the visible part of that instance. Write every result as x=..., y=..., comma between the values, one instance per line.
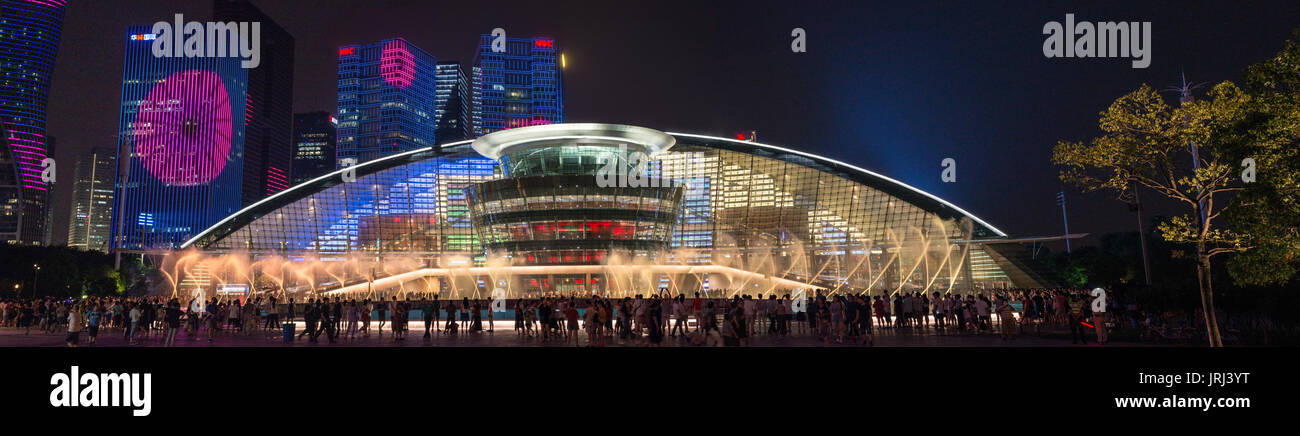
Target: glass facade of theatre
x=743, y=205
x=568, y=219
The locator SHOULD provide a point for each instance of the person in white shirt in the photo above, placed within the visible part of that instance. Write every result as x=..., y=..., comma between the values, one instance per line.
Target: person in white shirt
x=679, y=312
x=750, y=314
x=982, y=311
x=74, y=326
x=134, y=316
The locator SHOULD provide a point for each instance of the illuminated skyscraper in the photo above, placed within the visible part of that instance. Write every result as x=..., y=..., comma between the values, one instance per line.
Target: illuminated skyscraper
x=453, y=103
x=92, y=200
x=29, y=42
x=180, y=145
x=268, y=146
x=386, y=100
x=313, y=145
x=522, y=86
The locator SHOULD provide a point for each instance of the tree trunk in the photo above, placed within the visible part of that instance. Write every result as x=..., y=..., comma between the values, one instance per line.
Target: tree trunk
x=1207, y=297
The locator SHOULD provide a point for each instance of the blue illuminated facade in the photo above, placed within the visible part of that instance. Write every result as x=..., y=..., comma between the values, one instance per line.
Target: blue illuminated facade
x=180, y=145
x=387, y=100
x=522, y=86
x=417, y=207
x=29, y=43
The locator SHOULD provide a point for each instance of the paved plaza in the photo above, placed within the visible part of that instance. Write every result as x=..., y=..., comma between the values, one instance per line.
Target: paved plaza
x=505, y=336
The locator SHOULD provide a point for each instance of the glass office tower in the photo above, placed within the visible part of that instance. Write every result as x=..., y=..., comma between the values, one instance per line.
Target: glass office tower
x=180, y=145
x=387, y=100
x=519, y=87
x=267, y=134
x=313, y=145
x=91, y=217
x=453, y=104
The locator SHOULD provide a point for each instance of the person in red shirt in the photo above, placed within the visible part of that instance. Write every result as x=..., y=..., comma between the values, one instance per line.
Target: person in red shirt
x=696, y=306
x=571, y=319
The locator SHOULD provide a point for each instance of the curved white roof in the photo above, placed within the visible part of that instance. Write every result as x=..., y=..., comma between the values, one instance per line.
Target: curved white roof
x=493, y=145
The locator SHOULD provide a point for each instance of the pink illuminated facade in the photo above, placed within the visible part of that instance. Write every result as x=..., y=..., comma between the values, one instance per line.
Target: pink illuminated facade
x=29, y=42
x=183, y=129
x=276, y=180
x=183, y=156
x=397, y=65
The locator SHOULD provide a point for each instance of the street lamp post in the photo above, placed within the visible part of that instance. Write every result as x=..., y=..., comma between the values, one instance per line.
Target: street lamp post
x=1060, y=199
x=35, y=277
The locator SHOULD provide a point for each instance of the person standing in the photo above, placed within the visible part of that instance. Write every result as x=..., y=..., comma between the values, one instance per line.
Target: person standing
x=192, y=316
x=427, y=315
x=272, y=315
x=385, y=312
x=571, y=321
x=213, y=318
x=332, y=314
x=864, y=321
x=234, y=321
x=982, y=313
x=1099, y=318
x=311, y=318
x=366, y=308
x=697, y=309
x=352, y=319
x=92, y=322
x=74, y=327
x=1076, y=320
x=1006, y=318
x=464, y=311
x=293, y=307
x=476, y=317
x=133, y=316
x=172, y=318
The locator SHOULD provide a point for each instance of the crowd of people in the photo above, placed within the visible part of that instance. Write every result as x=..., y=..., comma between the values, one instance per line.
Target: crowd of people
x=647, y=320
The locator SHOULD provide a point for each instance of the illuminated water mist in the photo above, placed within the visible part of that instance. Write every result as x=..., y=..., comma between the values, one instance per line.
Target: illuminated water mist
x=905, y=259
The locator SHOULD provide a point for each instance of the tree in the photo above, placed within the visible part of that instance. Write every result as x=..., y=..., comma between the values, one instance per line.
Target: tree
x=1147, y=144
x=1269, y=135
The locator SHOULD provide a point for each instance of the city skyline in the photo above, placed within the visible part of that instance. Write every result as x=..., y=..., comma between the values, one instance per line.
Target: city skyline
x=1109, y=188
x=888, y=104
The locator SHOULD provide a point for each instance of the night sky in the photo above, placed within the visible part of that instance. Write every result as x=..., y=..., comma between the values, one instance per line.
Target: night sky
x=894, y=88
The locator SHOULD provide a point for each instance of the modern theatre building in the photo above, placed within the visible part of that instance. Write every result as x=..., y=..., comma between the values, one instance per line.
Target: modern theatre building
x=580, y=209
